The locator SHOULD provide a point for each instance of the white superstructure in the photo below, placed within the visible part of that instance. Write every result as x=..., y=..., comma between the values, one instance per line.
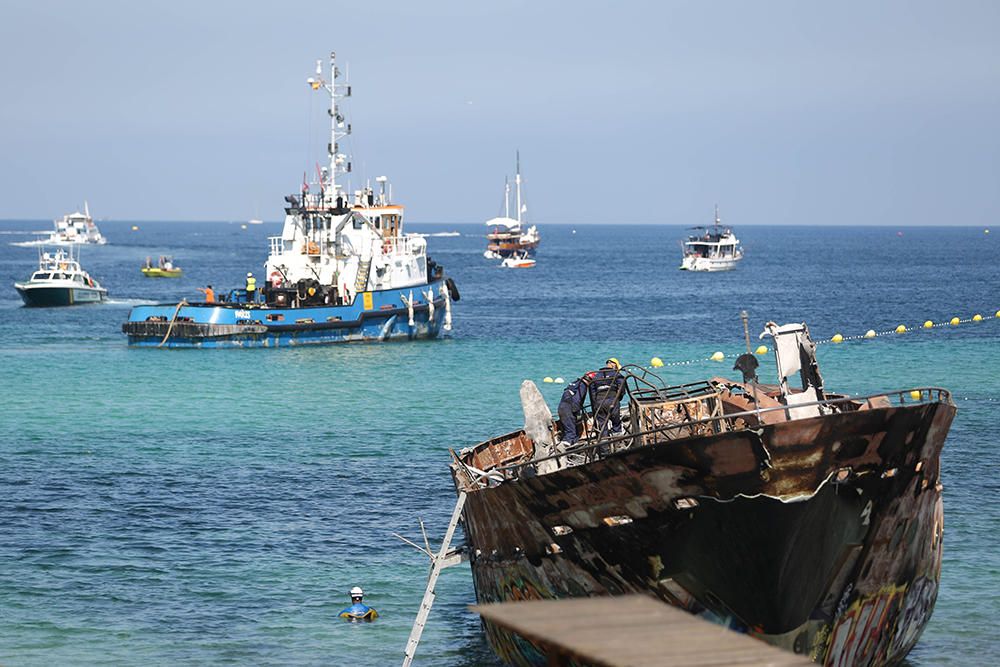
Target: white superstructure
x=351, y=241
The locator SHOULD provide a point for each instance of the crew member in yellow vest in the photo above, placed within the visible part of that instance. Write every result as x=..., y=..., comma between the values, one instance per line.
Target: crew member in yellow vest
x=251, y=287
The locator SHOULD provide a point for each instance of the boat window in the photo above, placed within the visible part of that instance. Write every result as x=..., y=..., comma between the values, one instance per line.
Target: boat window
x=41, y=276
x=378, y=222
x=78, y=278
x=358, y=223
x=58, y=276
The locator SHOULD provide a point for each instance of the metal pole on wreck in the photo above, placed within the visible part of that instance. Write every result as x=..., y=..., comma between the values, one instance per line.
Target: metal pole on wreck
x=746, y=336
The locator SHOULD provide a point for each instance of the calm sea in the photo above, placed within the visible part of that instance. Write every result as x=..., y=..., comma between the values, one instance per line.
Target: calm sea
x=212, y=507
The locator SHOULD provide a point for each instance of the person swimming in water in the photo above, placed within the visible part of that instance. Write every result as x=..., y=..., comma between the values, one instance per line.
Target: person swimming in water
x=358, y=611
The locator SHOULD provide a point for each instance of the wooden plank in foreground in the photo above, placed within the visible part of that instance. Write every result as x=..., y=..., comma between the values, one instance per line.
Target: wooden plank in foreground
x=630, y=631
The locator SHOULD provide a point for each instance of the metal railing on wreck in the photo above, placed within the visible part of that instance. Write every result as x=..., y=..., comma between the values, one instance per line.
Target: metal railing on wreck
x=619, y=443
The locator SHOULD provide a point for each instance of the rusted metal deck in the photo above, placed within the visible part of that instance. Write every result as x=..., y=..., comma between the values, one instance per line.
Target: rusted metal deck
x=630, y=631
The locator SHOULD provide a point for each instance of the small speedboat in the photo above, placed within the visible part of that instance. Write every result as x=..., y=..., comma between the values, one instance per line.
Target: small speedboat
x=164, y=269
x=520, y=262
x=59, y=281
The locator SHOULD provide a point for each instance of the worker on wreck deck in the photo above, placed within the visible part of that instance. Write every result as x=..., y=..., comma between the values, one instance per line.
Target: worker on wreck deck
x=358, y=611
x=606, y=390
x=251, y=287
x=571, y=408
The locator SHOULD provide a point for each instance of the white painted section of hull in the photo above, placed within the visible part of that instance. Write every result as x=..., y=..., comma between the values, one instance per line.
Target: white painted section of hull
x=709, y=264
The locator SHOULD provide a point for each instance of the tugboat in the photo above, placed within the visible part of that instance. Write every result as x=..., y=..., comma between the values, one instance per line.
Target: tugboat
x=810, y=520
x=59, y=281
x=716, y=249
x=73, y=229
x=342, y=270
x=508, y=238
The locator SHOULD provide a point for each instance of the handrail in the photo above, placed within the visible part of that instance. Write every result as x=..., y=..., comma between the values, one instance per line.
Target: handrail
x=942, y=396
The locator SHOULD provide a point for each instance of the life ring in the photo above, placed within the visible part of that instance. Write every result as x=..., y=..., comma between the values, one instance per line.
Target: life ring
x=275, y=278
x=386, y=247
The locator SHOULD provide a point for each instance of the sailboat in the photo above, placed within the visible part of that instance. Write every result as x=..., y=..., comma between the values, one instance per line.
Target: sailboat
x=508, y=237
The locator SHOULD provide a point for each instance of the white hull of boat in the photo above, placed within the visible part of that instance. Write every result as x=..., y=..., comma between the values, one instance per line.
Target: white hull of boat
x=709, y=263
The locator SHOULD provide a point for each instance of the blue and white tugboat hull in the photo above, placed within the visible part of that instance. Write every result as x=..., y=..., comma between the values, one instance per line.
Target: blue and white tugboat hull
x=372, y=317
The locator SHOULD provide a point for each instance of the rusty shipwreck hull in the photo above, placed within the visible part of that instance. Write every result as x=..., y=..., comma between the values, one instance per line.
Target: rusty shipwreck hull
x=819, y=535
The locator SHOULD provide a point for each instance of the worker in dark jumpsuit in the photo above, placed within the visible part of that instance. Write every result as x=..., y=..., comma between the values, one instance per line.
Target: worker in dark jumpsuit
x=571, y=408
x=606, y=390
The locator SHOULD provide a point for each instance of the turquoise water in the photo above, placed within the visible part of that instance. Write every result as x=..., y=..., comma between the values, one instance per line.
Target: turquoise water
x=165, y=507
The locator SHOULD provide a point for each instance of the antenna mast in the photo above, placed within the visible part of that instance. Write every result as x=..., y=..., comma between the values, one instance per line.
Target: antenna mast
x=339, y=129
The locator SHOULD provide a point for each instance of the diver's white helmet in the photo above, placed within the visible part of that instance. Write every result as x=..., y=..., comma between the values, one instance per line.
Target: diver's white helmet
x=356, y=592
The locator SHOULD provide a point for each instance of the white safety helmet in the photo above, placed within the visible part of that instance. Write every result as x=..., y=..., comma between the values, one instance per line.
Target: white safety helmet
x=356, y=592
x=249, y=275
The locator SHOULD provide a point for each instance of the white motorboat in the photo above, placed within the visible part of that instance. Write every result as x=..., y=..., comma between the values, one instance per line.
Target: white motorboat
x=59, y=281
x=520, y=261
x=715, y=248
x=73, y=229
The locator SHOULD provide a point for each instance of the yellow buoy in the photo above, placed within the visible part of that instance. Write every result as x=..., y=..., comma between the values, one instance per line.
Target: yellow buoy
x=761, y=350
x=837, y=338
x=870, y=333
x=997, y=314
x=718, y=356
x=915, y=394
x=901, y=328
x=928, y=324
x=548, y=380
x=656, y=362
x=559, y=380
x=977, y=318
x=955, y=321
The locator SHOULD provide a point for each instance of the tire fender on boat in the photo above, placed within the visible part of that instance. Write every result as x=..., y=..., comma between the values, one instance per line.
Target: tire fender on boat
x=452, y=289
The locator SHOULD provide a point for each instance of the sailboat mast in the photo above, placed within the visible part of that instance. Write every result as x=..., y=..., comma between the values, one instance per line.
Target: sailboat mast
x=506, y=197
x=517, y=181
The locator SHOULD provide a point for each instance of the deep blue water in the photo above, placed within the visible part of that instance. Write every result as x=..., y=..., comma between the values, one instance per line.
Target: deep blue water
x=205, y=507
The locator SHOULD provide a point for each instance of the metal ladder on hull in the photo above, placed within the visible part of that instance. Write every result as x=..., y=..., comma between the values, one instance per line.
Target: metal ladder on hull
x=361, y=280
x=445, y=557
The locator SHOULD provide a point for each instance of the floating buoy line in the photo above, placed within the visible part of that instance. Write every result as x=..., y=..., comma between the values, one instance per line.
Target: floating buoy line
x=719, y=356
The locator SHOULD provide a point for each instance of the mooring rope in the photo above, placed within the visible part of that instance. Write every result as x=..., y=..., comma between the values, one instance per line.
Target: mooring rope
x=172, y=320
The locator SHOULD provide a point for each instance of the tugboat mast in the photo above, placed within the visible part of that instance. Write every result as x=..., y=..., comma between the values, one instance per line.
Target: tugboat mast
x=339, y=163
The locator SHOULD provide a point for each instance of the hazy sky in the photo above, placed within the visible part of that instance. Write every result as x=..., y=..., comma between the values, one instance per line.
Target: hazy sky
x=853, y=112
